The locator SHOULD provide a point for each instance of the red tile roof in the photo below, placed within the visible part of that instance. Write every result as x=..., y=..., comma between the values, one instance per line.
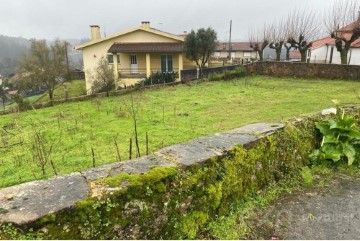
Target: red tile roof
x=322, y=42
x=145, y=47
x=356, y=44
x=330, y=41
x=344, y=32
x=350, y=27
x=347, y=30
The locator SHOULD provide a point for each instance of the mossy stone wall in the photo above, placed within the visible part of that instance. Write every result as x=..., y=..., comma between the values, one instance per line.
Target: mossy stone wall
x=176, y=200
x=305, y=70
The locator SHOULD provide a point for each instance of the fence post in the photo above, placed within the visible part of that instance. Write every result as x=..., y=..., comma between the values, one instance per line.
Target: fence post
x=197, y=73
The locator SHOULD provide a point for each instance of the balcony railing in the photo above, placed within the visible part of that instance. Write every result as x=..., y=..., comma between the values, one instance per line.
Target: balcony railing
x=138, y=73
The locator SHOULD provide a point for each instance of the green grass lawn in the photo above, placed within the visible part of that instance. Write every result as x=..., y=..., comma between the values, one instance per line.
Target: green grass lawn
x=170, y=115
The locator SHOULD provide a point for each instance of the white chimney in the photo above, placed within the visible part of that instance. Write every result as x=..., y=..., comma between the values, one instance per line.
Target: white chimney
x=95, y=32
x=145, y=24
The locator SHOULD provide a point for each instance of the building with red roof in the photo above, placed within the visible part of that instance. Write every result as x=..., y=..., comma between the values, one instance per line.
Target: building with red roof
x=324, y=50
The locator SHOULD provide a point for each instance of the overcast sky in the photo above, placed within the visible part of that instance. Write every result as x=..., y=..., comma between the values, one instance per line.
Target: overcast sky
x=71, y=18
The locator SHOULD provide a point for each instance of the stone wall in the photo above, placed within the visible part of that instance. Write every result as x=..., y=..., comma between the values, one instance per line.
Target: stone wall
x=305, y=70
x=192, y=74
x=171, y=194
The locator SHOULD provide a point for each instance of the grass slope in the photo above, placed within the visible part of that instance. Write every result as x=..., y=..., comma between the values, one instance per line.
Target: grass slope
x=170, y=115
x=75, y=88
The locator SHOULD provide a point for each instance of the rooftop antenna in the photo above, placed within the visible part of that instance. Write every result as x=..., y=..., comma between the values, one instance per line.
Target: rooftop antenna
x=104, y=31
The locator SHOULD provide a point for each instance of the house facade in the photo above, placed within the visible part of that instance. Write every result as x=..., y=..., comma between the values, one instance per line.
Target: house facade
x=324, y=51
x=134, y=54
x=238, y=50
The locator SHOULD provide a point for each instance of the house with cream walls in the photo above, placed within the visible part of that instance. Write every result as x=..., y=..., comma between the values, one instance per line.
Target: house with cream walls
x=134, y=54
x=238, y=50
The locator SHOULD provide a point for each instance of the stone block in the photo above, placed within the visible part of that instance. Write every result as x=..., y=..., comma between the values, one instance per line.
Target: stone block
x=27, y=202
x=258, y=129
x=189, y=153
x=226, y=141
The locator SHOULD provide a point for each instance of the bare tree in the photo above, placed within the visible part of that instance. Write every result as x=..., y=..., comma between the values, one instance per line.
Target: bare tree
x=45, y=65
x=104, y=77
x=303, y=28
x=287, y=32
x=259, y=39
x=277, y=38
x=343, y=24
x=288, y=47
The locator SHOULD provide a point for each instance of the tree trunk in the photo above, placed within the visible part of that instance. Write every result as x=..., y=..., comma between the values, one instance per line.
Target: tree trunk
x=287, y=54
x=278, y=54
x=344, y=56
x=51, y=94
x=261, y=52
x=303, y=56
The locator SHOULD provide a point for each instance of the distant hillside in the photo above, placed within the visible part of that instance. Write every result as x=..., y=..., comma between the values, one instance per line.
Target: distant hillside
x=12, y=48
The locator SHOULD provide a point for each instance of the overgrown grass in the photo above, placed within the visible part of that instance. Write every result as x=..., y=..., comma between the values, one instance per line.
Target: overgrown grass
x=74, y=87
x=170, y=115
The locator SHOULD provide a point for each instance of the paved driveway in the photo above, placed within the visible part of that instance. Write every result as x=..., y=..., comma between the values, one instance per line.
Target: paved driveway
x=331, y=213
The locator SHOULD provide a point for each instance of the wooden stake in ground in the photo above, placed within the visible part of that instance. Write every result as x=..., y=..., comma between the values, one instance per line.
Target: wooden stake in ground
x=93, y=155
x=147, y=144
x=117, y=149
x=133, y=113
x=130, y=148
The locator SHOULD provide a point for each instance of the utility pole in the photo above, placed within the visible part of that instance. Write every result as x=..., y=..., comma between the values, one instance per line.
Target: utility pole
x=230, y=48
x=67, y=61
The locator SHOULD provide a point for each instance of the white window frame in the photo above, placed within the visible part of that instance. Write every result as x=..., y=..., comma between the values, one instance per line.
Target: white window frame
x=133, y=59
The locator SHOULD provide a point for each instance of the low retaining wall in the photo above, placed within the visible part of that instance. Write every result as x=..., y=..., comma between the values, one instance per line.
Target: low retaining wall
x=192, y=74
x=171, y=194
x=305, y=70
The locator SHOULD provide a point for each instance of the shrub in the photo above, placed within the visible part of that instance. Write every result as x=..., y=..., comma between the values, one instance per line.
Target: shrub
x=214, y=77
x=161, y=78
x=228, y=74
x=22, y=103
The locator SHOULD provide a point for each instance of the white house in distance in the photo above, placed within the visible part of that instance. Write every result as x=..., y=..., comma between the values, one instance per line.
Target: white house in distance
x=135, y=53
x=324, y=50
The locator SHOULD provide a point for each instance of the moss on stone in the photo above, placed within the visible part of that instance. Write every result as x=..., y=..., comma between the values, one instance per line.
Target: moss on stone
x=192, y=223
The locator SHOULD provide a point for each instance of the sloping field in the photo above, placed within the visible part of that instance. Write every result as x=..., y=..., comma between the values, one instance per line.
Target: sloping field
x=39, y=143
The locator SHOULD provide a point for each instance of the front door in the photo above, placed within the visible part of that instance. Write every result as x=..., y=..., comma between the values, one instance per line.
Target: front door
x=133, y=64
